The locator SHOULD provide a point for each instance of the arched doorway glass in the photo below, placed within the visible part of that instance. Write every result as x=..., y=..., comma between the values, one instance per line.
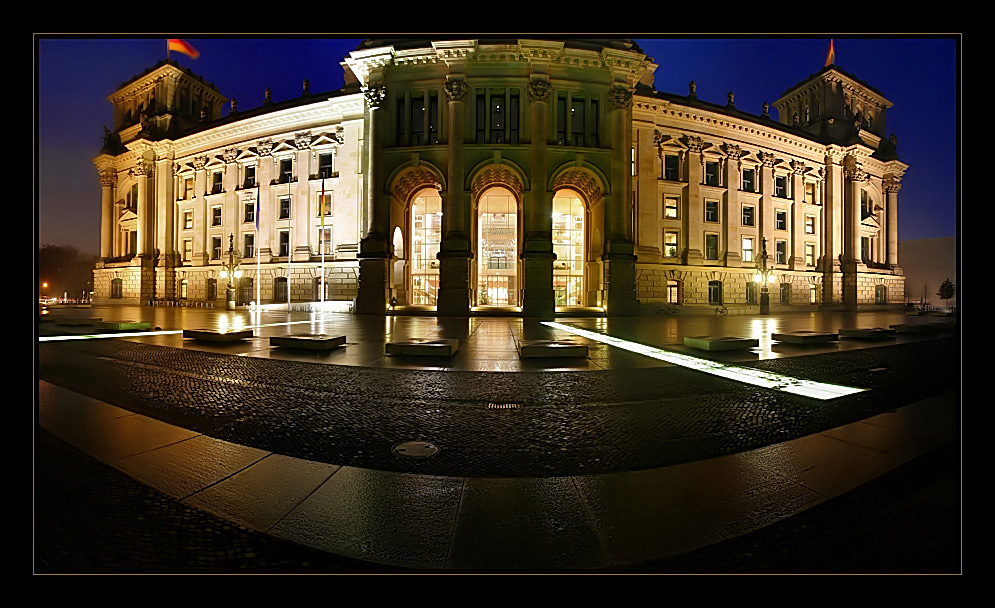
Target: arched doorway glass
x=426, y=236
x=497, y=249
x=568, y=245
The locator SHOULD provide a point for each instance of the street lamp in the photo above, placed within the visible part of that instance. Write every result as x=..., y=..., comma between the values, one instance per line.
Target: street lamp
x=231, y=272
x=762, y=277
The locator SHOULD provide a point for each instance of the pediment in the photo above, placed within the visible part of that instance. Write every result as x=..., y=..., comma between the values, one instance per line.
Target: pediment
x=127, y=216
x=283, y=147
x=327, y=139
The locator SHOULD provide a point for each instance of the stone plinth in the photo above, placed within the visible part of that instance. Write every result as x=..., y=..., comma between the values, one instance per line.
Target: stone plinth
x=309, y=342
x=869, y=333
x=213, y=335
x=805, y=337
x=711, y=343
x=529, y=349
x=422, y=347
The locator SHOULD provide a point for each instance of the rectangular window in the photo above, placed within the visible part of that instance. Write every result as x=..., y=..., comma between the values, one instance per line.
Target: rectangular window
x=781, y=252
x=284, y=243
x=498, y=112
x=749, y=180
x=324, y=204
x=187, y=250
x=250, y=177
x=216, y=184
x=747, y=249
x=216, y=248
x=809, y=254
x=188, y=220
x=671, y=167
x=809, y=224
x=593, y=131
x=284, y=208
x=748, y=215
x=865, y=248
x=670, y=244
x=810, y=193
x=781, y=220
x=711, y=211
x=670, y=205
x=325, y=165
x=248, y=245
x=186, y=188
x=417, y=119
x=577, y=119
x=561, y=120
x=249, y=212
x=751, y=293
x=325, y=240
x=215, y=216
x=781, y=186
x=711, y=246
x=286, y=170
x=481, y=116
x=433, y=118
x=715, y=293
x=401, y=119
x=711, y=174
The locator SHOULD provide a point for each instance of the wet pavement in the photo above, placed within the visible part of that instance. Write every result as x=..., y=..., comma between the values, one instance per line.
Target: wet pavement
x=612, y=445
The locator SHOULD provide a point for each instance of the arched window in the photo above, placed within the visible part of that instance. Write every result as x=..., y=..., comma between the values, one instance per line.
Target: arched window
x=880, y=294
x=426, y=240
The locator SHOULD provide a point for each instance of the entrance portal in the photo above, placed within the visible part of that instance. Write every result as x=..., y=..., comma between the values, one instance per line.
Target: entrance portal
x=497, y=249
x=426, y=238
x=568, y=245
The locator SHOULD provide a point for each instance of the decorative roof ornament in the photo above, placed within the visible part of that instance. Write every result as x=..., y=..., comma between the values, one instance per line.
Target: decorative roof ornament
x=692, y=90
x=730, y=100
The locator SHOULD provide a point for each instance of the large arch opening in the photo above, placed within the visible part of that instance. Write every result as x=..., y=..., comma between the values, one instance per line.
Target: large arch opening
x=426, y=238
x=569, y=241
x=497, y=242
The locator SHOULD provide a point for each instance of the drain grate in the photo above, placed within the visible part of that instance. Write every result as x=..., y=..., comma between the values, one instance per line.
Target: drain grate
x=503, y=406
x=416, y=449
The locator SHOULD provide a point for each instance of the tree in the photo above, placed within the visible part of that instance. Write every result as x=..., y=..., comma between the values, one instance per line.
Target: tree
x=946, y=291
x=65, y=270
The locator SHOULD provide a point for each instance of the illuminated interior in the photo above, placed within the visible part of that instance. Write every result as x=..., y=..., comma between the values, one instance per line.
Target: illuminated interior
x=426, y=236
x=497, y=249
x=568, y=245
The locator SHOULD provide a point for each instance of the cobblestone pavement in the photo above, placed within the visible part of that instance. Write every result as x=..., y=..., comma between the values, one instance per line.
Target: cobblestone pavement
x=91, y=518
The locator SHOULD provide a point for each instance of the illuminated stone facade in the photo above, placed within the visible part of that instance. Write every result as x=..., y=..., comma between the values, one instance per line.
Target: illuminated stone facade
x=439, y=191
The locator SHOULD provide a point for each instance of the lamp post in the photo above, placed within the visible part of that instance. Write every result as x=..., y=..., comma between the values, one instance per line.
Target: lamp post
x=231, y=272
x=762, y=277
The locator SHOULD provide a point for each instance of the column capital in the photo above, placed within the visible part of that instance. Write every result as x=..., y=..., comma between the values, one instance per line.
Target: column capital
x=142, y=167
x=892, y=184
x=767, y=159
x=302, y=140
x=455, y=88
x=539, y=90
x=108, y=178
x=619, y=97
x=375, y=95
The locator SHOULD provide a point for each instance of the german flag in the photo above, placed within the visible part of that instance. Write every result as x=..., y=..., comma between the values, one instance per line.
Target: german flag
x=831, y=57
x=182, y=46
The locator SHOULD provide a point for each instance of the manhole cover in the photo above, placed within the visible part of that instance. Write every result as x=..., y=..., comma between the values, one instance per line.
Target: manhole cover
x=416, y=449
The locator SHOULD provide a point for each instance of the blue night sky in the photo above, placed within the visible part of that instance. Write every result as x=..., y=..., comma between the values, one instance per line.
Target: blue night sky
x=74, y=76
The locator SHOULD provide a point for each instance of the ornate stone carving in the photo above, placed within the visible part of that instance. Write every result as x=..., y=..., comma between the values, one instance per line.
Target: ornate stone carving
x=339, y=135
x=229, y=154
x=539, y=90
x=692, y=90
x=853, y=170
x=619, y=97
x=108, y=178
x=415, y=180
x=375, y=95
x=731, y=99
x=892, y=183
x=766, y=110
x=733, y=151
x=823, y=173
x=307, y=88
x=456, y=89
x=798, y=167
x=199, y=162
x=302, y=140
x=581, y=181
x=141, y=168
x=767, y=159
x=694, y=143
x=496, y=175
x=265, y=148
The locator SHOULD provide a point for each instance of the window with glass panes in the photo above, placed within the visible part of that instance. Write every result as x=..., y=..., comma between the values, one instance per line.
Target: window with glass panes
x=711, y=211
x=749, y=180
x=216, y=248
x=748, y=215
x=286, y=170
x=248, y=212
x=670, y=244
x=809, y=224
x=670, y=206
x=426, y=238
x=671, y=167
x=780, y=186
x=711, y=246
x=781, y=220
x=747, y=249
x=325, y=240
x=249, y=245
x=216, y=182
x=284, y=241
x=809, y=254
x=711, y=173
x=325, y=203
x=780, y=252
x=325, y=168
x=284, y=210
x=250, y=177
x=215, y=216
x=187, y=220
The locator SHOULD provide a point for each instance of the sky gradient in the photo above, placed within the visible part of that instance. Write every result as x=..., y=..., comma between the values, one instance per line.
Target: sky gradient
x=74, y=77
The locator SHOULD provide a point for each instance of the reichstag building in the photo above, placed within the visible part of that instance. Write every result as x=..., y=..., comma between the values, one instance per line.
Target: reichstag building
x=524, y=174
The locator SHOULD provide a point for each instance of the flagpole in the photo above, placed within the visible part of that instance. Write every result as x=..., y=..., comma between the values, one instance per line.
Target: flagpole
x=323, y=244
x=256, y=252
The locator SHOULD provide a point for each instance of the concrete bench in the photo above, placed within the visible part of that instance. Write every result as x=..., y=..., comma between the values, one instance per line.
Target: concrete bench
x=720, y=343
x=870, y=333
x=124, y=325
x=213, y=335
x=75, y=321
x=535, y=349
x=308, y=342
x=422, y=347
x=805, y=337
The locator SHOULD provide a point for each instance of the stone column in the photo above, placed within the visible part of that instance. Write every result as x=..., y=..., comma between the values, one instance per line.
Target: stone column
x=539, y=300
x=796, y=242
x=165, y=230
x=374, y=248
x=731, y=216
x=855, y=178
x=300, y=201
x=454, y=250
x=695, y=215
x=142, y=171
x=201, y=255
x=765, y=221
x=620, y=259
x=891, y=187
x=267, y=215
x=108, y=179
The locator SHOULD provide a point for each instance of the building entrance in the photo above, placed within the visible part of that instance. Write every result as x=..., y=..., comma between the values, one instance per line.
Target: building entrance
x=426, y=238
x=568, y=245
x=497, y=249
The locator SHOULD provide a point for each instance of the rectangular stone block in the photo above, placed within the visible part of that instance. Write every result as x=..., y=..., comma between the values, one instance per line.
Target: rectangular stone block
x=711, y=343
x=805, y=337
x=871, y=333
x=421, y=347
x=528, y=349
x=309, y=342
x=124, y=325
x=213, y=335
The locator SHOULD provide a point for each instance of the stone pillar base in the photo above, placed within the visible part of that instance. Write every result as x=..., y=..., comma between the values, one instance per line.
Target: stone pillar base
x=620, y=286
x=454, y=284
x=695, y=258
x=539, y=301
x=374, y=288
